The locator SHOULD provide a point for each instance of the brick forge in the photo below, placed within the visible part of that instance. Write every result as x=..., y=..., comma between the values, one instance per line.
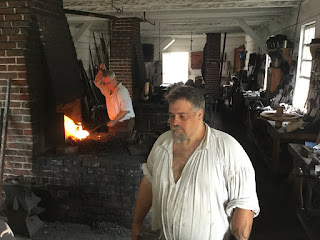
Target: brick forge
x=83, y=188
x=28, y=31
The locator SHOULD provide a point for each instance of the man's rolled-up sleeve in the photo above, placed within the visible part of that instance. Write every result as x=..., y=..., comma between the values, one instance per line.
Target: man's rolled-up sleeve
x=123, y=106
x=240, y=180
x=242, y=192
x=147, y=172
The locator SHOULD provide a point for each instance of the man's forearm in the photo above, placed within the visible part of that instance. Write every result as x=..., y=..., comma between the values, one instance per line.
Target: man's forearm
x=144, y=200
x=98, y=79
x=119, y=117
x=241, y=223
x=143, y=205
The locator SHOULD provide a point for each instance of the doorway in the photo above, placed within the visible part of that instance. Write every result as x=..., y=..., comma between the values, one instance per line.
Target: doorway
x=175, y=67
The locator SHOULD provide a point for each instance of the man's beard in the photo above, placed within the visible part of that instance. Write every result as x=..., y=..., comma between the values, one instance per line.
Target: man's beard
x=178, y=137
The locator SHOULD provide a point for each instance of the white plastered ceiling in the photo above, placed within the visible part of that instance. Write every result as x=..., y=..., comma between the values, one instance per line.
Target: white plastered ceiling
x=180, y=18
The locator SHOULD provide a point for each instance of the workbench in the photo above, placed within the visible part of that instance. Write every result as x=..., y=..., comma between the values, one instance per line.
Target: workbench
x=279, y=136
x=306, y=191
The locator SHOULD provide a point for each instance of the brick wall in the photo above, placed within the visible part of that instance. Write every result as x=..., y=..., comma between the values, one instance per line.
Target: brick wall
x=16, y=28
x=28, y=30
x=212, y=64
x=126, y=56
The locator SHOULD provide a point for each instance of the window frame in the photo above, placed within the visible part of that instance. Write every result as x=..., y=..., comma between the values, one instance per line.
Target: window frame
x=302, y=81
x=304, y=49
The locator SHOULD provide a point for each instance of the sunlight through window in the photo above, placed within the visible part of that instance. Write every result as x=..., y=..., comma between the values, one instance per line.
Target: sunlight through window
x=175, y=67
x=304, y=67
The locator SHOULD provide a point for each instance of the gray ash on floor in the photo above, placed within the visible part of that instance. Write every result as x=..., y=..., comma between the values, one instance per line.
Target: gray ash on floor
x=111, y=228
x=71, y=231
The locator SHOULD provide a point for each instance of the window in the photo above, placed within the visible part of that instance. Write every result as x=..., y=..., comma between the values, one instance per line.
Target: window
x=306, y=59
x=265, y=82
x=304, y=67
x=175, y=67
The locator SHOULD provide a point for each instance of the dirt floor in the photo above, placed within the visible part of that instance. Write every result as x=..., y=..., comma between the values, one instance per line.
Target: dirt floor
x=69, y=231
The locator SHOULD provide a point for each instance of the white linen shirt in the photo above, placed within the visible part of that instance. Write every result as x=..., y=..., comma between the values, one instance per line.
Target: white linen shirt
x=217, y=178
x=118, y=101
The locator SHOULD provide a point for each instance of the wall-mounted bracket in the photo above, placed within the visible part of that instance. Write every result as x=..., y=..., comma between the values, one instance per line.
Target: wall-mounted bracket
x=145, y=20
x=119, y=10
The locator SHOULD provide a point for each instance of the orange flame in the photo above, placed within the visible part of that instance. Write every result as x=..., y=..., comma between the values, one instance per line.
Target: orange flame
x=73, y=130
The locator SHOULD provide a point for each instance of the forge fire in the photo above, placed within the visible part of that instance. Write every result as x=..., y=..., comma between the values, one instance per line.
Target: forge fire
x=74, y=131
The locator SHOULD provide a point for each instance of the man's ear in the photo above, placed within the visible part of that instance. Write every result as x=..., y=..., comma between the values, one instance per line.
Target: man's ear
x=200, y=113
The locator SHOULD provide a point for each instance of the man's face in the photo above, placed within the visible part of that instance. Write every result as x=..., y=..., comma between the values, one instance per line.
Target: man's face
x=184, y=121
x=108, y=82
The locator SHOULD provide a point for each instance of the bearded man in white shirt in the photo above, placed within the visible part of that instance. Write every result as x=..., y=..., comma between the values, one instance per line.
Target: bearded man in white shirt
x=199, y=181
x=118, y=101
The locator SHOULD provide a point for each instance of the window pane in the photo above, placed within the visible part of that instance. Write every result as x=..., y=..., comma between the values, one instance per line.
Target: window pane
x=312, y=31
x=306, y=53
x=301, y=93
x=305, y=63
x=305, y=69
x=309, y=34
x=175, y=67
x=306, y=37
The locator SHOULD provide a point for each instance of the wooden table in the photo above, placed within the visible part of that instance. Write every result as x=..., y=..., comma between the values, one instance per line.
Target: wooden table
x=307, y=211
x=299, y=162
x=279, y=135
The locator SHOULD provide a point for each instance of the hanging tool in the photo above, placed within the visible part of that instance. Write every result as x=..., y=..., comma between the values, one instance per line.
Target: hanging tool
x=93, y=68
x=97, y=49
x=87, y=83
x=104, y=47
x=4, y=126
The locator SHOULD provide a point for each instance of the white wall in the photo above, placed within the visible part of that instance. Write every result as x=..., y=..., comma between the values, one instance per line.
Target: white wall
x=82, y=47
x=233, y=41
x=250, y=47
x=183, y=45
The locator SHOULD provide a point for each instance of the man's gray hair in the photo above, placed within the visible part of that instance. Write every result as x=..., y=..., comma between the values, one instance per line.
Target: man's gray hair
x=191, y=94
x=108, y=73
